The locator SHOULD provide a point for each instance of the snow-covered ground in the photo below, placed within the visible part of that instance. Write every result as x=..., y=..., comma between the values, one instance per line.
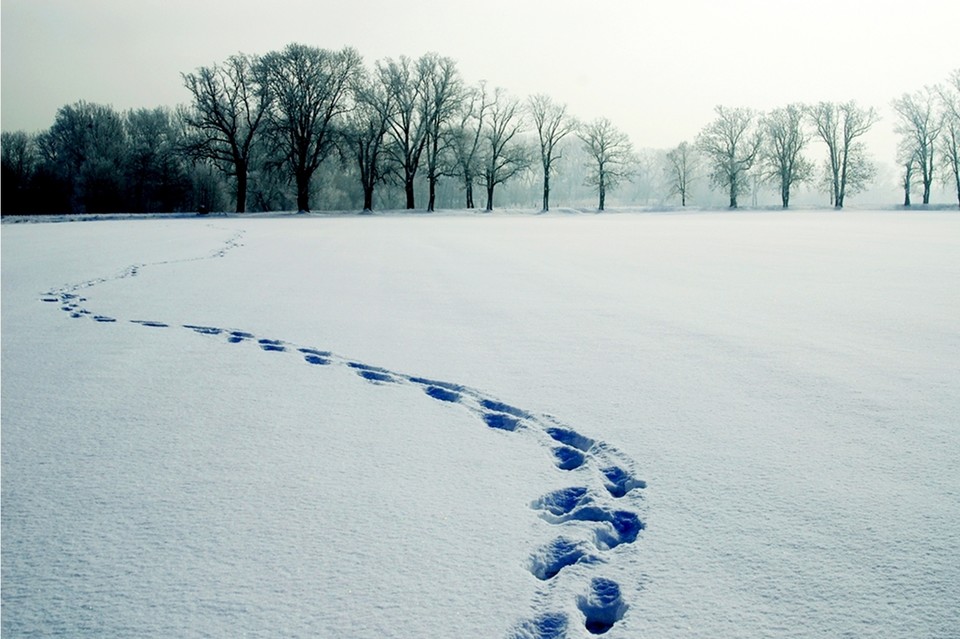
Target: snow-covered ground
x=683, y=425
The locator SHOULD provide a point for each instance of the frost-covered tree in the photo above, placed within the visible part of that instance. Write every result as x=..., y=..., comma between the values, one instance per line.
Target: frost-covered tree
x=552, y=124
x=310, y=93
x=841, y=126
x=919, y=125
x=731, y=144
x=228, y=105
x=782, y=154
x=442, y=93
x=466, y=137
x=405, y=85
x=87, y=147
x=365, y=133
x=950, y=140
x=611, y=157
x=156, y=178
x=682, y=165
x=502, y=157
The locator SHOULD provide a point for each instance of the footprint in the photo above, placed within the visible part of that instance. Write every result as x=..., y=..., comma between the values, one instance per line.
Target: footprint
x=273, y=345
x=204, y=330
x=500, y=407
x=547, y=562
x=617, y=526
x=567, y=458
x=550, y=625
x=602, y=606
x=444, y=395
x=501, y=421
x=375, y=376
x=49, y=299
x=316, y=360
x=563, y=501
x=239, y=336
x=103, y=318
x=619, y=482
x=571, y=438
x=150, y=323
x=456, y=388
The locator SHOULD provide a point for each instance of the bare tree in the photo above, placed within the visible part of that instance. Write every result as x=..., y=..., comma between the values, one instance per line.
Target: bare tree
x=731, y=144
x=405, y=85
x=501, y=156
x=229, y=102
x=365, y=134
x=611, y=157
x=841, y=126
x=466, y=137
x=442, y=93
x=682, y=164
x=920, y=125
x=950, y=144
x=310, y=92
x=552, y=124
x=783, y=153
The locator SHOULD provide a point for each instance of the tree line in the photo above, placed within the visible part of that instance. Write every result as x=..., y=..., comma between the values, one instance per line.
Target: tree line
x=269, y=132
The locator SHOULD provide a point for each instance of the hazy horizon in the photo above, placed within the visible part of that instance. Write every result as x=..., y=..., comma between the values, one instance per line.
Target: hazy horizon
x=657, y=70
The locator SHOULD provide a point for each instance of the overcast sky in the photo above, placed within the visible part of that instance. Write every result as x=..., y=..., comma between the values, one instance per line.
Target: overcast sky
x=655, y=68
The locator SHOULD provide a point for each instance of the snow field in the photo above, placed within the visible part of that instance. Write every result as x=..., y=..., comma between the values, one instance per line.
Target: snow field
x=786, y=382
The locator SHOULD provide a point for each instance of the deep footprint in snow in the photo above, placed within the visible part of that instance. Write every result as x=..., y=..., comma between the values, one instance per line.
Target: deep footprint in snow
x=547, y=562
x=239, y=336
x=562, y=502
x=273, y=345
x=570, y=438
x=501, y=421
x=602, y=606
x=150, y=323
x=204, y=330
x=442, y=394
x=619, y=482
x=567, y=458
x=551, y=625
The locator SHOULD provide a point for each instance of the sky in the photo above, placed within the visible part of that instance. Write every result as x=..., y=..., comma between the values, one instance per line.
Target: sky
x=656, y=69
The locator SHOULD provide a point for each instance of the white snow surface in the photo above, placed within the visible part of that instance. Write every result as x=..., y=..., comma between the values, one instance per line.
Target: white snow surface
x=786, y=384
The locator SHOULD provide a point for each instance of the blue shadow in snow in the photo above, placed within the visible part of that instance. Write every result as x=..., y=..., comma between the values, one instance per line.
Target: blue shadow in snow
x=501, y=421
x=442, y=394
x=568, y=458
x=570, y=438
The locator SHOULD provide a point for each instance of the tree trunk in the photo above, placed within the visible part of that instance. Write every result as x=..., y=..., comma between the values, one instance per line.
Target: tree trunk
x=408, y=188
x=490, y=197
x=683, y=197
x=468, y=187
x=433, y=194
x=733, y=193
x=241, y=188
x=603, y=195
x=926, y=191
x=785, y=196
x=546, y=191
x=368, y=197
x=303, y=193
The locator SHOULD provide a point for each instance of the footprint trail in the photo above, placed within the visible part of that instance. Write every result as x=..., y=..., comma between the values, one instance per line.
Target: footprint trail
x=598, y=512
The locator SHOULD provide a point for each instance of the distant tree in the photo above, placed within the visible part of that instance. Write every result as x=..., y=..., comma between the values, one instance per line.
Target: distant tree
x=682, y=164
x=611, y=157
x=405, y=83
x=229, y=102
x=920, y=124
x=86, y=148
x=782, y=154
x=19, y=165
x=731, y=144
x=552, y=124
x=502, y=157
x=950, y=142
x=365, y=134
x=155, y=176
x=466, y=138
x=841, y=126
x=442, y=94
x=309, y=90
x=908, y=162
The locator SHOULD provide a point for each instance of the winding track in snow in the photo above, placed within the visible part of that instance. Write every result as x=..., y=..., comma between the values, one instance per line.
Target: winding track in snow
x=600, y=512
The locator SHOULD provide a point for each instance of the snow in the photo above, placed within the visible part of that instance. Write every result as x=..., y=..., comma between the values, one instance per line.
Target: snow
x=681, y=424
